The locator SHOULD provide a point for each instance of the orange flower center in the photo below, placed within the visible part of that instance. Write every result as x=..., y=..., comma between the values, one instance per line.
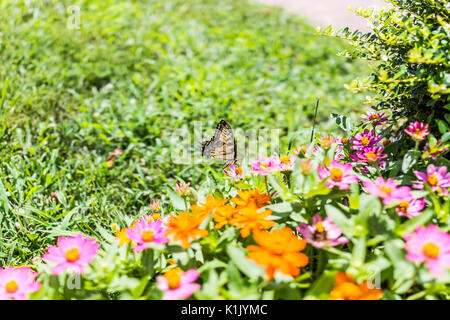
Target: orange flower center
x=371, y=155
x=336, y=174
x=319, y=227
x=285, y=160
x=72, y=255
x=173, y=276
x=147, y=235
x=374, y=117
x=431, y=250
x=386, y=188
x=344, y=140
x=403, y=206
x=365, y=141
x=11, y=286
x=432, y=180
x=418, y=131
x=239, y=170
x=264, y=164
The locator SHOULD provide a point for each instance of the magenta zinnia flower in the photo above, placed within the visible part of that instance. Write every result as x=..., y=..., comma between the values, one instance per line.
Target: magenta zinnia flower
x=234, y=172
x=431, y=246
x=388, y=190
x=322, y=233
x=436, y=177
x=377, y=118
x=72, y=252
x=182, y=188
x=365, y=139
x=370, y=155
x=264, y=166
x=417, y=130
x=176, y=284
x=155, y=205
x=145, y=231
x=17, y=283
x=434, y=151
x=338, y=174
x=410, y=208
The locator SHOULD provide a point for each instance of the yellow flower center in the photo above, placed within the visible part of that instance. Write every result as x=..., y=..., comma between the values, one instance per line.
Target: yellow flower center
x=344, y=140
x=264, y=164
x=365, y=141
x=431, y=250
x=432, y=180
x=147, y=235
x=374, y=117
x=238, y=170
x=336, y=174
x=173, y=276
x=11, y=286
x=285, y=160
x=418, y=131
x=319, y=227
x=403, y=206
x=371, y=155
x=72, y=255
x=387, y=189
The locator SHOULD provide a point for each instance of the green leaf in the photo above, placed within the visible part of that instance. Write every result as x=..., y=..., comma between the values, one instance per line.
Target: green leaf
x=409, y=160
x=341, y=220
x=248, y=267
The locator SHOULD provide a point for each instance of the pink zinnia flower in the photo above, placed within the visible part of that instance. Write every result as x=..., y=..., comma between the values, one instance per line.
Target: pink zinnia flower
x=338, y=174
x=431, y=246
x=155, y=205
x=17, y=283
x=434, y=151
x=326, y=141
x=365, y=139
x=370, y=155
x=146, y=231
x=182, y=188
x=436, y=177
x=234, y=172
x=410, y=208
x=287, y=163
x=377, y=118
x=417, y=130
x=322, y=233
x=388, y=190
x=176, y=284
x=339, y=153
x=263, y=166
x=72, y=252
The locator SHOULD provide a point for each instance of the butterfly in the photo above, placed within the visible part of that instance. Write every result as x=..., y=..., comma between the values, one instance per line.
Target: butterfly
x=222, y=145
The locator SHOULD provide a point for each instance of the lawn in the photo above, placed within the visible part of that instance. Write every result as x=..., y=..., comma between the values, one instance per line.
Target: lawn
x=131, y=74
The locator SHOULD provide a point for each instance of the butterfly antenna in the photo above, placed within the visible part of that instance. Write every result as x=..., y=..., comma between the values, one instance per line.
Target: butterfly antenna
x=314, y=121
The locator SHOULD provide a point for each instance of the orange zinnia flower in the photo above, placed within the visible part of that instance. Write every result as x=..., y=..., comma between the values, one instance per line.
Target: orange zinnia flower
x=248, y=218
x=204, y=209
x=184, y=228
x=278, y=250
x=346, y=288
x=248, y=196
x=223, y=215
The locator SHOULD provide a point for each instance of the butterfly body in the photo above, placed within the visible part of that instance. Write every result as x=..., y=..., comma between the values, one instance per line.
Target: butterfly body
x=222, y=145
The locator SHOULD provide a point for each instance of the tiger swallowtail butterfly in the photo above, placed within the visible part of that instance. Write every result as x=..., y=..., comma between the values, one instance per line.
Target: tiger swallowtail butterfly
x=222, y=145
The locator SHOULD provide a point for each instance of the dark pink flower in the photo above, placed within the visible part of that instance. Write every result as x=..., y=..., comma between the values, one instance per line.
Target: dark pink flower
x=370, y=155
x=436, y=177
x=418, y=130
x=365, y=139
x=145, y=231
x=322, y=233
x=376, y=118
x=338, y=174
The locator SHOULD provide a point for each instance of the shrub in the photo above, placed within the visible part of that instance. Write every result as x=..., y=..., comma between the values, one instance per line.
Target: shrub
x=410, y=42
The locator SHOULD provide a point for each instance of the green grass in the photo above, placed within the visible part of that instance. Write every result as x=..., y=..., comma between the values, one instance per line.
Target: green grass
x=133, y=72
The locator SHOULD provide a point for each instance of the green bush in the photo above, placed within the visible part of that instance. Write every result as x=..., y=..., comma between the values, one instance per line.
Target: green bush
x=410, y=42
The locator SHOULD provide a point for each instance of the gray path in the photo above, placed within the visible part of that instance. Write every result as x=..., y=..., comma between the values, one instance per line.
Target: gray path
x=329, y=12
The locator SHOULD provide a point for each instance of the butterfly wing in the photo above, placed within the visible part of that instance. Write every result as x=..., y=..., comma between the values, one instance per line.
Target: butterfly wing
x=222, y=145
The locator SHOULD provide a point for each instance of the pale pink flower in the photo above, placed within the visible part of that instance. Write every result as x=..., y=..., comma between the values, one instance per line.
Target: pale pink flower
x=72, y=252
x=410, y=208
x=145, y=232
x=365, y=139
x=388, y=190
x=264, y=166
x=17, y=283
x=436, y=177
x=339, y=153
x=182, y=188
x=338, y=174
x=431, y=246
x=176, y=284
x=377, y=118
x=155, y=205
x=418, y=130
x=234, y=172
x=322, y=233
x=287, y=163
